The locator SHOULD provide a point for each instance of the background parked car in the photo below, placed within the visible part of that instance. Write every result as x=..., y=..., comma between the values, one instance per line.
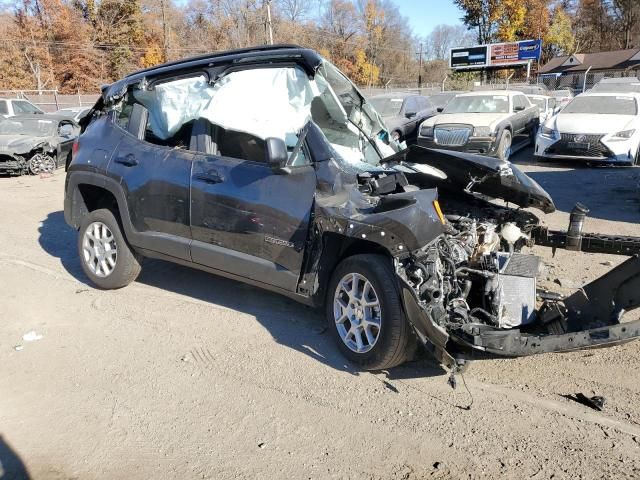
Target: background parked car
x=74, y=113
x=35, y=143
x=492, y=122
x=402, y=113
x=441, y=99
x=546, y=105
x=594, y=127
x=15, y=106
x=563, y=96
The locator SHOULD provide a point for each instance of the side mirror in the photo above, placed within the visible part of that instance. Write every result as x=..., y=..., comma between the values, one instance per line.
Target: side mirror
x=440, y=109
x=276, y=152
x=410, y=114
x=518, y=108
x=66, y=130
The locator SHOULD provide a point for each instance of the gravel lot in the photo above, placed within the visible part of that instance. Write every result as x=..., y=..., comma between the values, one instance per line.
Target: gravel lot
x=187, y=375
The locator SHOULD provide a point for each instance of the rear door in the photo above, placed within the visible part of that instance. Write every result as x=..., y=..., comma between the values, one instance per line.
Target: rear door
x=155, y=179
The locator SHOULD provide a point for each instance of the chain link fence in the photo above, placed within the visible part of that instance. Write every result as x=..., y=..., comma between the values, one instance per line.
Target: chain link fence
x=50, y=100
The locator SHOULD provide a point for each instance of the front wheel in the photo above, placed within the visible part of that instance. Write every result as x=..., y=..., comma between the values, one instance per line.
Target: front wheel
x=365, y=315
x=504, y=147
x=106, y=257
x=41, y=163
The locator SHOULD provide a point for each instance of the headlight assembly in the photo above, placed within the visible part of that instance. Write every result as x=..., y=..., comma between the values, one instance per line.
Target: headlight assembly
x=482, y=132
x=548, y=133
x=426, y=131
x=624, y=135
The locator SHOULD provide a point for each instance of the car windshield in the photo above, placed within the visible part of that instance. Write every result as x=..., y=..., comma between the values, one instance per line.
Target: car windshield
x=441, y=99
x=538, y=102
x=478, y=104
x=387, y=106
x=603, y=105
x=31, y=126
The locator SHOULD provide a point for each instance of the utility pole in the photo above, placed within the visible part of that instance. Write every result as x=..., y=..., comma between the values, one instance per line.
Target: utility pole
x=420, y=68
x=165, y=32
x=268, y=31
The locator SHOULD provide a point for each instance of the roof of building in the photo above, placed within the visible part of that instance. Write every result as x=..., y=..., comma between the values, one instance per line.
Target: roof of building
x=580, y=62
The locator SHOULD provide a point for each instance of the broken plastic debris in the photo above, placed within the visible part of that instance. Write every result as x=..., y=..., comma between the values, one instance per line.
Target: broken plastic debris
x=17, y=348
x=31, y=336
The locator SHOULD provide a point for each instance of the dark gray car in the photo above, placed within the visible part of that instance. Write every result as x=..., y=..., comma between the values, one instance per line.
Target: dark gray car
x=35, y=143
x=402, y=113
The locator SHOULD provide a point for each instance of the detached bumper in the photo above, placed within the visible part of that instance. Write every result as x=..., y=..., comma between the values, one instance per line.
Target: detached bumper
x=478, y=145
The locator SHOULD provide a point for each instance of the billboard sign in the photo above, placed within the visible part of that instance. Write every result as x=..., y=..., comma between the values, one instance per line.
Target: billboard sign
x=495, y=55
x=468, y=57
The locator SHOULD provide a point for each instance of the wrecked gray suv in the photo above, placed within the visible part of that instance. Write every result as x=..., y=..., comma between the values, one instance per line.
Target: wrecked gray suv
x=267, y=166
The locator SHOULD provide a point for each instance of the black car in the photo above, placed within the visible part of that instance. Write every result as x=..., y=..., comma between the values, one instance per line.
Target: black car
x=35, y=143
x=266, y=165
x=403, y=113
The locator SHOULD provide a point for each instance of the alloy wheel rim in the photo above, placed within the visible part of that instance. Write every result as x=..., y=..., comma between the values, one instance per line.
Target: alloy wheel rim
x=99, y=249
x=357, y=313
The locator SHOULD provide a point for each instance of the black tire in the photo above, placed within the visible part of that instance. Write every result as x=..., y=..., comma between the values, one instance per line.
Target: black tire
x=395, y=342
x=504, y=147
x=127, y=262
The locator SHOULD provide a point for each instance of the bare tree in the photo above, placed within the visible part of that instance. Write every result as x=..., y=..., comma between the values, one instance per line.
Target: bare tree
x=443, y=38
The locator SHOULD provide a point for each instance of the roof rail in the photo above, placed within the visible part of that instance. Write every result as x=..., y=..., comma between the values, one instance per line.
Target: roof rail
x=224, y=53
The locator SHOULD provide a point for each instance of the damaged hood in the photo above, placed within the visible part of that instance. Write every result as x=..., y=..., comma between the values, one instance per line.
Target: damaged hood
x=19, y=143
x=480, y=174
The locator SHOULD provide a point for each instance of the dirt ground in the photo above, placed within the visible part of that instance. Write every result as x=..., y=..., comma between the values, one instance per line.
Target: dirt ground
x=187, y=375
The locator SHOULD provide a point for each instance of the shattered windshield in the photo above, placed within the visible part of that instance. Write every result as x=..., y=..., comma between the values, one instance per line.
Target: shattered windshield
x=31, y=127
x=478, y=104
x=351, y=125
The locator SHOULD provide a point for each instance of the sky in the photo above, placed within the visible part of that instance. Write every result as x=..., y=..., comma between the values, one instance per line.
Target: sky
x=423, y=15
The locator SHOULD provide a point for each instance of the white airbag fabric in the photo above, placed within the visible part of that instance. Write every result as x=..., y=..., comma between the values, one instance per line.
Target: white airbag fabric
x=268, y=102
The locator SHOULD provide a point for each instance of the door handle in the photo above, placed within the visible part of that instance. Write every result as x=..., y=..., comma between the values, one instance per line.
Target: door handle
x=128, y=161
x=210, y=177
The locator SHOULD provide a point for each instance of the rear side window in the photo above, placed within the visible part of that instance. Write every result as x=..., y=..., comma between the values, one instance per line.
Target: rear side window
x=3, y=107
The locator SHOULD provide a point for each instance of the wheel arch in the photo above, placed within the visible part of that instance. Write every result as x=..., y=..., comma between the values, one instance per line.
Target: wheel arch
x=86, y=192
x=337, y=247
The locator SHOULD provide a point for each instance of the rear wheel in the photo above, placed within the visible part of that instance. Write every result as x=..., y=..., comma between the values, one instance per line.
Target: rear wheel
x=365, y=315
x=504, y=148
x=106, y=257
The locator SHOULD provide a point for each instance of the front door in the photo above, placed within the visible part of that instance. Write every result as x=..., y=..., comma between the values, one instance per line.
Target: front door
x=249, y=220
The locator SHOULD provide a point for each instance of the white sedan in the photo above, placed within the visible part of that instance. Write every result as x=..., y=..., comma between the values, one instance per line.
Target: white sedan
x=594, y=127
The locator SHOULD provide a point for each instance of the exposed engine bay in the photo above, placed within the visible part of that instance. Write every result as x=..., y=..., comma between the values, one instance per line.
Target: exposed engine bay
x=474, y=273
x=468, y=285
